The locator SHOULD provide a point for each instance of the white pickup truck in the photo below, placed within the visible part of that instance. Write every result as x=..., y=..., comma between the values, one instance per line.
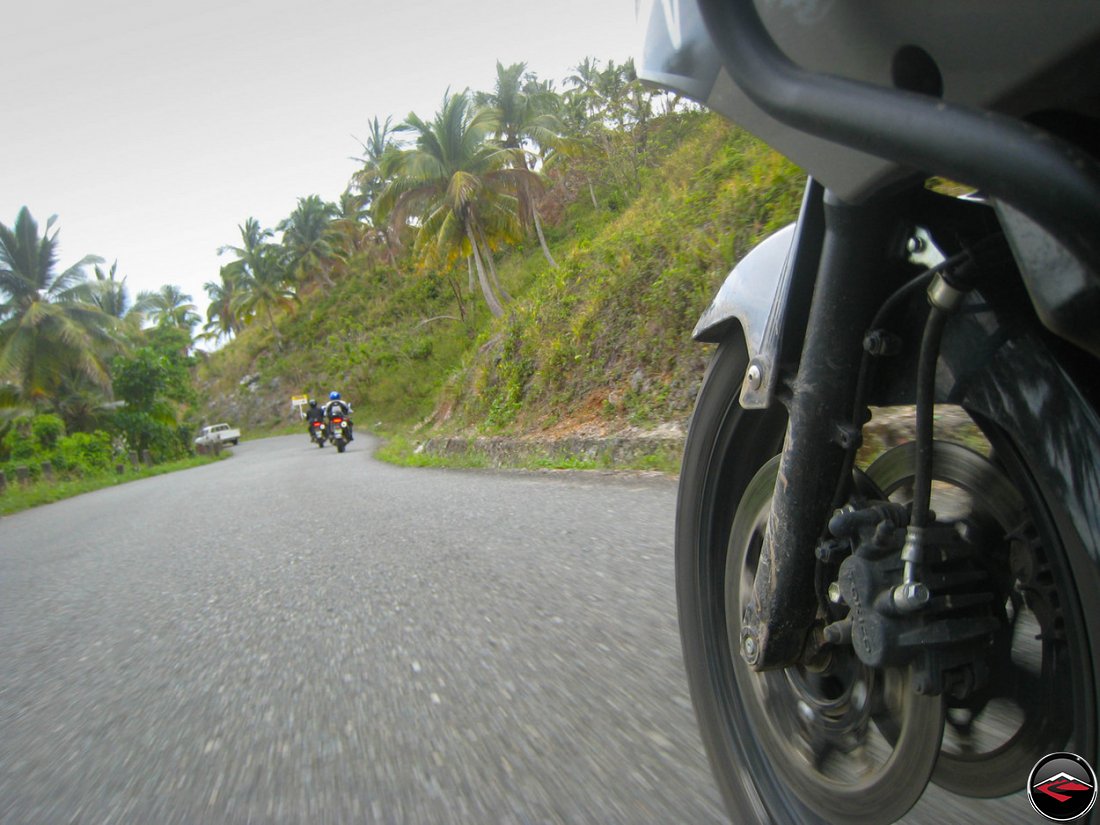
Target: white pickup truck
x=218, y=434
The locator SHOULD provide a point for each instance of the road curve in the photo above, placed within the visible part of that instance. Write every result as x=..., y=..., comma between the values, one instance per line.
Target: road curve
x=295, y=636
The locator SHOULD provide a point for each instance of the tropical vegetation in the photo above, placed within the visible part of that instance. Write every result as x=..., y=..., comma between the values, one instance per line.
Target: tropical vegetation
x=526, y=255
x=81, y=382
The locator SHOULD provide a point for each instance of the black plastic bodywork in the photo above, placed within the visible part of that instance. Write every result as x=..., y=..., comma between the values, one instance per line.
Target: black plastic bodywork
x=1016, y=377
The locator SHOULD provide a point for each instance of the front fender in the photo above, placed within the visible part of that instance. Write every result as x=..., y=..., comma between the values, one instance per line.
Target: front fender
x=755, y=295
x=758, y=294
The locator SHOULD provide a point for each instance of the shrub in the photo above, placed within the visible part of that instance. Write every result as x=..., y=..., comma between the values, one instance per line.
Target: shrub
x=86, y=453
x=46, y=430
x=18, y=443
x=144, y=431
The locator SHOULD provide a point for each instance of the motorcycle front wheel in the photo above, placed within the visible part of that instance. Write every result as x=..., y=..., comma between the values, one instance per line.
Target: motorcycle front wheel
x=791, y=747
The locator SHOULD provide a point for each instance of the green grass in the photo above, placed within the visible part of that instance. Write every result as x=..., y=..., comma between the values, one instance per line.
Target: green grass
x=398, y=450
x=569, y=462
x=18, y=497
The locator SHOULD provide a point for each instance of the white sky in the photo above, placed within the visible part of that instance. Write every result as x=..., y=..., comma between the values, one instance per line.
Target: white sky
x=153, y=129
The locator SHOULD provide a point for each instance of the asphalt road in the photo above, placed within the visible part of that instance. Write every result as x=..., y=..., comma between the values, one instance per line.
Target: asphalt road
x=295, y=636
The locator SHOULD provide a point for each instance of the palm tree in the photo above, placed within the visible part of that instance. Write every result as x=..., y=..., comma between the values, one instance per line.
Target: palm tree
x=222, y=320
x=306, y=237
x=585, y=81
x=380, y=142
x=603, y=92
x=110, y=294
x=370, y=181
x=170, y=306
x=259, y=276
x=48, y=323
x=600, y=107
x=523, y=111
x=80, y=403
x=263, y=287
x=253, y=240
x=457, y=186
x=613, y=88
x=584, y=111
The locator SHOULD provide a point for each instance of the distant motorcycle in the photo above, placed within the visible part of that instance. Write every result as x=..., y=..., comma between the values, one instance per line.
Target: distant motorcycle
x=338, y=432
x=318, y=433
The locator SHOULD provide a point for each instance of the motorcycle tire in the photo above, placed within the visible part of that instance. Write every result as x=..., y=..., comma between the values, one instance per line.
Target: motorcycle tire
x=340, y=446
x=727, y=448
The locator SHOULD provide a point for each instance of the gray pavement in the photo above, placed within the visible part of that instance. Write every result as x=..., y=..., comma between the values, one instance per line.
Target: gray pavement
x=295, y=636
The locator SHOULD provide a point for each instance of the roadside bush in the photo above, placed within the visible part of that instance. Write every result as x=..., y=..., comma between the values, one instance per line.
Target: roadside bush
x=19, y=445
x=144, y=431
x=86, y=453
x=47, y=430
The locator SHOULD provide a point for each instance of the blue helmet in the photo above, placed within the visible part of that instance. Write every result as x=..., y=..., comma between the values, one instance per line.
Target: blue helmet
x=334, y=396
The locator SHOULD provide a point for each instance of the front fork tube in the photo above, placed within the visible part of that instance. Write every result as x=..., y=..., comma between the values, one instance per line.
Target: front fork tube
x=853, y=279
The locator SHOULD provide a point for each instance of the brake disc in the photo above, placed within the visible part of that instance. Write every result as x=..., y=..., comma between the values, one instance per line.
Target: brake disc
x=996, y=735
x=821, y=731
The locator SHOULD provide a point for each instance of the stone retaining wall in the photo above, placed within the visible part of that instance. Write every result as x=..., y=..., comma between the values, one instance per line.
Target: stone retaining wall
x=604, y=451
x=888, y=427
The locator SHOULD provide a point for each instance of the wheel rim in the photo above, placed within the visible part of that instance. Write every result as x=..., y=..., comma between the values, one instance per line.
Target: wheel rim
x=821, y=732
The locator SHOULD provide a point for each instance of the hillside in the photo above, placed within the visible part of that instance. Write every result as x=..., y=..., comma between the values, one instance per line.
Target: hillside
x=599, y=344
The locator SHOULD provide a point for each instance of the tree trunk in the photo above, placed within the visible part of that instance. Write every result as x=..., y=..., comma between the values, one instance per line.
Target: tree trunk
x=486, y=289
x=274, y=328
x=529, y=204
x=458, y=294
x=542, y=238
x=493, y=279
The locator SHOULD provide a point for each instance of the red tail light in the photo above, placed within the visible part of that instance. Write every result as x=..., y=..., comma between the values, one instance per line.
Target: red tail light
x=337, y=420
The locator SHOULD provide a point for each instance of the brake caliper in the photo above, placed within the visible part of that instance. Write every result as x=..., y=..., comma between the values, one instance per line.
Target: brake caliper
x=947, y=638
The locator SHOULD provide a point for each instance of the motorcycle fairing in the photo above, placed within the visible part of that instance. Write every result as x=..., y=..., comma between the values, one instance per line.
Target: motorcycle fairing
x=1064, y=292
x=1024, y=67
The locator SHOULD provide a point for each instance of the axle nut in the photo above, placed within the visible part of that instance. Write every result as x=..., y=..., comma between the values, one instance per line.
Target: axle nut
x=750, y=650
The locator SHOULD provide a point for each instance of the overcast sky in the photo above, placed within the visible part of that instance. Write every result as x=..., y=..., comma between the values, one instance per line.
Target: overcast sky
x=152, y=129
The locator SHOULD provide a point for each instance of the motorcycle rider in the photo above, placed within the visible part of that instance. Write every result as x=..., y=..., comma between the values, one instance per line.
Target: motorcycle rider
x=314, y=413
x=337, y=406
